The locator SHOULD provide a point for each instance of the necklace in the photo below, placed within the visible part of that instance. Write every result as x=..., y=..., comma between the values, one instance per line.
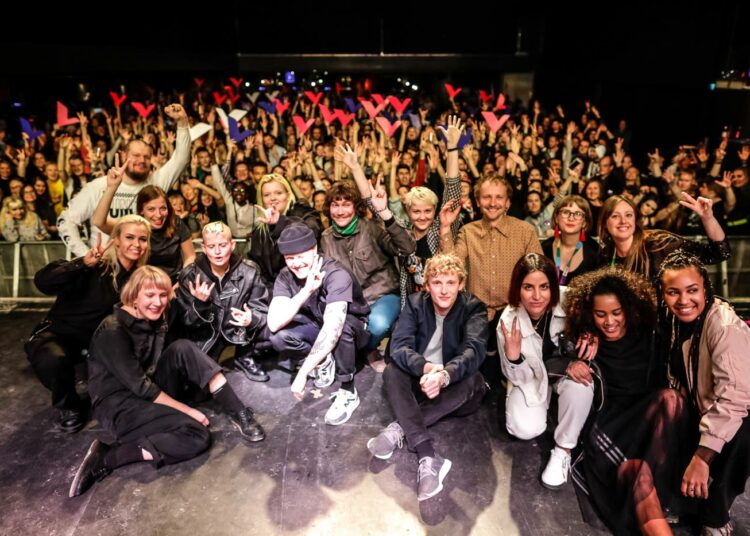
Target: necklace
x=562, y=273
x=543, y=321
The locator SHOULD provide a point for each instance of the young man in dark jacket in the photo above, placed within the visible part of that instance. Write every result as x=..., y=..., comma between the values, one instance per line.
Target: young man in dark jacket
x=437, y=346
x=223, y=301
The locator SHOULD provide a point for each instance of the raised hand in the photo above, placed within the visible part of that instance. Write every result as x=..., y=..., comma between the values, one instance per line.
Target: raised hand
x=453, y=132
x=377, y=194
x=201, y=290
x=512, y=345
x=346, y=155
x=314, y=277
x=701, y=205
x=94, y=255
x=449, y=213
x=269, y=216
x=117, y=172
x=726, y=182
x=178, y=114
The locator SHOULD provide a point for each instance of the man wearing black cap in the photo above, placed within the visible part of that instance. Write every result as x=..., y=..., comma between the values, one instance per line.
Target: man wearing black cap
x=318, y=314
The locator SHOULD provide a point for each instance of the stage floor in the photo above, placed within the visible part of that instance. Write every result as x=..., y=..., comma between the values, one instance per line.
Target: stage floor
x=305, y=478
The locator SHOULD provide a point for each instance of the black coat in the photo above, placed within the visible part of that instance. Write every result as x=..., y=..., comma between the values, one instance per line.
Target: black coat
x=465, y=334
x=209, y=321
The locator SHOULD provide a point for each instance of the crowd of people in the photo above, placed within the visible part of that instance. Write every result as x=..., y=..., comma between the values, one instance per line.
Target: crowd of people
x=528, y=252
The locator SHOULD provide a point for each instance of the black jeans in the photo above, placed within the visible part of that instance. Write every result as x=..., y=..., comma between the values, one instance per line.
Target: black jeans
x=296, y=340
x=168, y=434
x=54, y=358
x=415, y=412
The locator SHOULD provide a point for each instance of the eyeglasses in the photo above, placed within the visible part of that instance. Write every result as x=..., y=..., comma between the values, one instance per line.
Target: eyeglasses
x=577, y=215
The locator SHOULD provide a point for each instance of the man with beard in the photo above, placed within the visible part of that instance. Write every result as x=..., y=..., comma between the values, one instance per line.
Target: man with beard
x=137, y=175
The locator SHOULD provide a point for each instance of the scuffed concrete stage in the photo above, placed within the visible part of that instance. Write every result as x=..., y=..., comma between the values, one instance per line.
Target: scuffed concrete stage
x=305, y=478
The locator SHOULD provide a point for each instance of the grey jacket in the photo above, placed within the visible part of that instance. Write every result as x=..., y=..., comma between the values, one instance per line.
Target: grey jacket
x=369, y=254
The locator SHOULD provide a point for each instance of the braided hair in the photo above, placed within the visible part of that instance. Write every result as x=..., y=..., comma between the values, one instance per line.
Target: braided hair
x=681, y=260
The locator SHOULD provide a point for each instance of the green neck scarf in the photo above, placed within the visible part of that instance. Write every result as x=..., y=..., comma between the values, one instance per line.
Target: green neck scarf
x=349, y=229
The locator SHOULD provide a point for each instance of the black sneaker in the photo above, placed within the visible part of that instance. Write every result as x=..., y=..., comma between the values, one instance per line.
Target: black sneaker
x=70, y=421
x=249, y=428
x=91, y=470
x=251, y=369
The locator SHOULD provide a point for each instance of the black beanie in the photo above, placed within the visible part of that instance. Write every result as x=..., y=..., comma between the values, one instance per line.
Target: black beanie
x=296, y=238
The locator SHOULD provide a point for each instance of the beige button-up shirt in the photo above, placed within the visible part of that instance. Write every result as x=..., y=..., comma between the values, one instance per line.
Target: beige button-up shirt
x=490, y=253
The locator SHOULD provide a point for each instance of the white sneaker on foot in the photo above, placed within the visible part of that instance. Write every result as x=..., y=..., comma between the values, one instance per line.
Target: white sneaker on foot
x=344, y=404
x=556, y=473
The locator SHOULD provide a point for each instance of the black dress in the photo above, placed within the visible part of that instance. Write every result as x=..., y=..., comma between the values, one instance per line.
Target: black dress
x=634, y=433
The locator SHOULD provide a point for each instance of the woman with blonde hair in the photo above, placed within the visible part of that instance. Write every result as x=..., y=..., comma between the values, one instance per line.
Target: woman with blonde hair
x=22, y=224
x=86, y=288
x=281, y=206
x=135, y=386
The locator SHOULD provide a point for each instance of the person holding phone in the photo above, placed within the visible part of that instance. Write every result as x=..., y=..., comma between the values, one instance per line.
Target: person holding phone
x=318, y=315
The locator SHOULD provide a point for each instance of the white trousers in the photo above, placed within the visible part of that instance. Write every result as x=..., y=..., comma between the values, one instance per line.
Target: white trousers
x=574, y=404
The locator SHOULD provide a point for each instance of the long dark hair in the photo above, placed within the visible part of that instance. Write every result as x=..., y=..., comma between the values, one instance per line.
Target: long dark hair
x=148, y=194
x=533, y=262
x=670, y=325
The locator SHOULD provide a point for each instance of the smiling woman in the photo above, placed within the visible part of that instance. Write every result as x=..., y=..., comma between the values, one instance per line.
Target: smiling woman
x=86, y=289
x=171, y=247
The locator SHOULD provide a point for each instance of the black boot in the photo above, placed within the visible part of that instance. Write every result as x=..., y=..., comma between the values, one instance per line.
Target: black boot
x=249, y=428
x=92, y=469
x=70, y=420
x=252, y=370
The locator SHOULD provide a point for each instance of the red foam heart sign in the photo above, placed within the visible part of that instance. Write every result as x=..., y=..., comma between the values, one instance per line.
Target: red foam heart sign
x=398, y=105
x=388, y=127
x=302, y=125
x=493, y=122
x=117, y=99
x=452, y=92
x=62, y=116
x=143, y=111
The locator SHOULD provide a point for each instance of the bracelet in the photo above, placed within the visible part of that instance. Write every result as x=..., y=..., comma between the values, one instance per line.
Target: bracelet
x=453, y=149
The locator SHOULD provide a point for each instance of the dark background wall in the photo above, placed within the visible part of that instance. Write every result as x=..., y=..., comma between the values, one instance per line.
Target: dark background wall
x=651, y=65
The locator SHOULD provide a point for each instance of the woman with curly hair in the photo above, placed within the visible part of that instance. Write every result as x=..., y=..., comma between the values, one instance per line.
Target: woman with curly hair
x=625, y=243
x=622, y=472
x=706, y=351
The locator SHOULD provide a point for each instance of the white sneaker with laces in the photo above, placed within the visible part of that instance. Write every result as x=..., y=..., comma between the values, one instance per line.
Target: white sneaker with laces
x=344, y=404
x=556, y=473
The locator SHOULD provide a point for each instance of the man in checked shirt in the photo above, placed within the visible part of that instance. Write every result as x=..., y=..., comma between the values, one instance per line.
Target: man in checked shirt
x=490, y=249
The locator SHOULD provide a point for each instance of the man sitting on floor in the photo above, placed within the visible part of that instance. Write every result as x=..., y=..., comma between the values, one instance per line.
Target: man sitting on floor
x=224, y=302
x=318, y=314
x=438, y=344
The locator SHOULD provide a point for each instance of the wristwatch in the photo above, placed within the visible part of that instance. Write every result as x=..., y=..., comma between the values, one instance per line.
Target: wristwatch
x=446, y=378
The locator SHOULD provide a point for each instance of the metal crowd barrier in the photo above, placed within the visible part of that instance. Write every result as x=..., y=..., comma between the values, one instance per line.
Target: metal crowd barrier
x=19, y=262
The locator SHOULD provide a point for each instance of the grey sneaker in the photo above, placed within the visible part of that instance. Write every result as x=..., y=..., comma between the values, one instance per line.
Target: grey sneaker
x=430, y=476
x=388, y=440
x=325, y=373
x=344, y=404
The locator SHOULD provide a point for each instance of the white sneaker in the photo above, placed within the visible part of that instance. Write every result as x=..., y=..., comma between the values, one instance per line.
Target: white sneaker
x=344, y=404
x=556, y=473
x=325, y=373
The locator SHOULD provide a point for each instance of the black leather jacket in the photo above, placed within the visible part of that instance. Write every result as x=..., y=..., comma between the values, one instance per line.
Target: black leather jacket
x=208, y=321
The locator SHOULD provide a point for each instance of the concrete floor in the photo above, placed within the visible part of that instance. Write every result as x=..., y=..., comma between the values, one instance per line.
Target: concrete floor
x=305, y=478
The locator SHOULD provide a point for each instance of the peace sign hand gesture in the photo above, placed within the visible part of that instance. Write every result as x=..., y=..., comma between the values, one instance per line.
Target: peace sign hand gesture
x=117, y=172
x=512, y=345
x=94, y=255
x=314, y=277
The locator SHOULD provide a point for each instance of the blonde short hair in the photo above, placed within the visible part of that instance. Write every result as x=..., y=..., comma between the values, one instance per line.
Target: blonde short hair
x=420, y=194
x=142, y=277
x=444, y=263
x=109, y=257
x=216, y=227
